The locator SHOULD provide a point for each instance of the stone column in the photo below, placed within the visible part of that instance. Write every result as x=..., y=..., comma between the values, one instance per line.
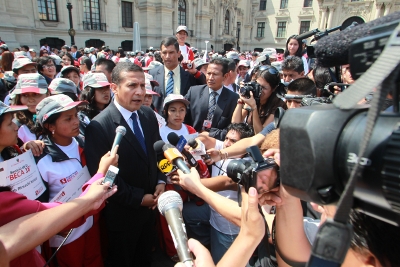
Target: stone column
x=330, y=17
x=378, y=10
x=221, y=19
x=387, y=8
x=323, y=19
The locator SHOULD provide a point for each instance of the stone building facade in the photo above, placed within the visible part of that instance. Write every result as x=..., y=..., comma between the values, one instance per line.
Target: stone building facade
x=243, y=24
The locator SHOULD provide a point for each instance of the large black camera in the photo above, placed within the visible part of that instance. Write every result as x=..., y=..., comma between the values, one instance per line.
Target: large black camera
x=250, y=87
x=244, y=172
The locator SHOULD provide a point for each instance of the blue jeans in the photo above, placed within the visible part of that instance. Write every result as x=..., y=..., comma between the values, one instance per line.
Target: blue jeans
x=220, y=243
x=197, y=221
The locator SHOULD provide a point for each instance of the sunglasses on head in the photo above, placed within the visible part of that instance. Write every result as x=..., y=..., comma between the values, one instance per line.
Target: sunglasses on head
x=270, y=69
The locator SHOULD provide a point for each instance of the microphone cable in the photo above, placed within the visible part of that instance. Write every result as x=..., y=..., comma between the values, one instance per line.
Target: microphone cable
x=55, y=252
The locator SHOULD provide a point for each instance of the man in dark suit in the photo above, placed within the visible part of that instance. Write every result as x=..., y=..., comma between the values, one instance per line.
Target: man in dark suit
x=129, y=214
x=74, y=52
x=181, y=80
x=212, y=105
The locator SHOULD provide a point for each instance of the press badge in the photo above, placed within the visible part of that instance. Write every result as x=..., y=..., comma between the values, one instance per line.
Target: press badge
x=207, y=124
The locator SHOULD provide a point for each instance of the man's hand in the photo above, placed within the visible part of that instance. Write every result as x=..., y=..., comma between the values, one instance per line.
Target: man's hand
x=98, y=193
x=214, y=155
x=203, y=256
x=191, y=181
x=191, y=70
x=160, y=188
x=36, y=146
x=149, y=201
x=252, y=224
x=110, y=158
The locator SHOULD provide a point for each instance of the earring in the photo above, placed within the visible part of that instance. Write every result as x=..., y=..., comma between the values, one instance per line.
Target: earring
x=52, y=132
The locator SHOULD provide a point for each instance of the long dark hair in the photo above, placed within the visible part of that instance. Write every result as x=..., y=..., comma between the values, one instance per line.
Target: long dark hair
x=42, y=130
x=90, y=110
x=299, y=52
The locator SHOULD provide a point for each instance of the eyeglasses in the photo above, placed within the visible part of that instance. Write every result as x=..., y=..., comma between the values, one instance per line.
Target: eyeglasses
x=49, y=66
x=270, y=69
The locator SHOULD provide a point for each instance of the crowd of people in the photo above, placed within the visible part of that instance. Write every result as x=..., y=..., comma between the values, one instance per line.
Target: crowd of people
x=64, y=106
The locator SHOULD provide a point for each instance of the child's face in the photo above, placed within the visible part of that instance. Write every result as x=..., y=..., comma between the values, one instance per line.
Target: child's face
x=176, y=114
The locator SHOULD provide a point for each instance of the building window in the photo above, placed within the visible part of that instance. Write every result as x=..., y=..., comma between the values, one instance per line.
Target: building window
x=127, y=20
x=263, y=5
x=47, y=10
x=91, y=16
x=281, y=29
x=227, y=22
x=307, y=3
x=211, y=23
x=260, y=29
x=284, y=4
x=182, y=12
x=304, y=26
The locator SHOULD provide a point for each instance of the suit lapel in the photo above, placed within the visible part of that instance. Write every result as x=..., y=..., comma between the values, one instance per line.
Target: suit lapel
x=221, y=103
x=160, y=79
x=146, y=129
x=129, y=135
x=204, y=95
x=184, y=80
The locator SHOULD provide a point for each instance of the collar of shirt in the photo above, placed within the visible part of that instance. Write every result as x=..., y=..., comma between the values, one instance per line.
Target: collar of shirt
x=177, y=79
x=218, y=91
x=175, y=71
x=126, y=114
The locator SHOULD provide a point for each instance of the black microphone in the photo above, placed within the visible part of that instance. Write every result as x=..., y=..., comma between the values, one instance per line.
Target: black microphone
x=173, y=155
x=170, y=206
x=193, y=143
x=307, y=34
x=333, y=50
x=119, y=133
x=175, y=140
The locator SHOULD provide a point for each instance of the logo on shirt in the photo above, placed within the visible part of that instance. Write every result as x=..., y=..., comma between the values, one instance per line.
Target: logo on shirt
x=68, y=178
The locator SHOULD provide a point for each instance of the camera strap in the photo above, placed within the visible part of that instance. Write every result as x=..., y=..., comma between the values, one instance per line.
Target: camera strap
x=333, y=238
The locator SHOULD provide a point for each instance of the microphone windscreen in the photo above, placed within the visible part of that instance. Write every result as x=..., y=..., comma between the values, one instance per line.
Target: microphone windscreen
x=192, y=143
x=121, y=129
x=158, y=146
x=169, y=199
x=173, y=138
x=333, y=50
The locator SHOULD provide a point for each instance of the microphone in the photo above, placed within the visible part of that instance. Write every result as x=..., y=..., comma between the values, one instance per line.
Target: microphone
x=179, y=142
x=170, y=206
x=164, y=165
x=198, y=148
x=307, y=34
x=333, y=50
x=119, y=132
x=173, y=155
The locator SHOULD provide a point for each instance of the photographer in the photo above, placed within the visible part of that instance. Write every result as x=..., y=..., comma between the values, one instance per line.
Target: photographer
x=259, y=101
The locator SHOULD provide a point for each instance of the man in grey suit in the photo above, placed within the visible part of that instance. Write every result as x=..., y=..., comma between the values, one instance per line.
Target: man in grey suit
x=171, y=77
x=212, y=105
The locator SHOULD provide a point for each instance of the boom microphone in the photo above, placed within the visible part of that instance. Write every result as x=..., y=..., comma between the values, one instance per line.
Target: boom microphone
x=333, y=50
x=119, y=133
x=175, y=140
x=173, y=155
x=170, y=206
x=307, y=34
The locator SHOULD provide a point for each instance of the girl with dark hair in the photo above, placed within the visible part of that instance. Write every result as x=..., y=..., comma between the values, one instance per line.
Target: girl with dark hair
x=60, y=163
x=66, y=59
x=47, y=67
x=294, y=48
x=85, y=64
x=261, y=112
x=31, y=88
x=43, y=53
x=7, y=59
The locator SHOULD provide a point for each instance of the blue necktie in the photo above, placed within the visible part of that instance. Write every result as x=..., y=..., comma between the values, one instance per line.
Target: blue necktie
x=170, y=83
x=212, y=105
x=138, y=132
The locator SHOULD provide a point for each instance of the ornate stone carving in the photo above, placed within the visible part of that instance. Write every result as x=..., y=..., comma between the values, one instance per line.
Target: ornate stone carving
x=283, y=13
x=363, y=9
x=306, y=12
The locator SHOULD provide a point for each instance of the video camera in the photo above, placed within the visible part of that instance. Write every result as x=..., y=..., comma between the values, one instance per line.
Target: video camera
x=251, y=87
x=244, y=172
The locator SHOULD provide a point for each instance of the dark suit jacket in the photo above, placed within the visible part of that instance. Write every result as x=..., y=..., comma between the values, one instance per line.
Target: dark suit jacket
x=187, y=80
x=78, y=55
x=198, y=110
x=138, y=173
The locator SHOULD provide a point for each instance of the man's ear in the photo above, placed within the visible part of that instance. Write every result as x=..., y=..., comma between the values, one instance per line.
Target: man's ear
x=302, y=73
x=114, y=88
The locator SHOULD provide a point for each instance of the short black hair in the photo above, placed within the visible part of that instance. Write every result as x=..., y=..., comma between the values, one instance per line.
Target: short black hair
x=167, y=41
x=293, y=63
x=243, y=129
x=74, y=46
x=231, y=64
x=304, y=86
x=25, y=47
x=110, y=65
x=222, y=62
x=123, y=67
x=43, y=61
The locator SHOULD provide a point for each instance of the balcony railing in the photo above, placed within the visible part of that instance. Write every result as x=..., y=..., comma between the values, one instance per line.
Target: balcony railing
x=94, y=26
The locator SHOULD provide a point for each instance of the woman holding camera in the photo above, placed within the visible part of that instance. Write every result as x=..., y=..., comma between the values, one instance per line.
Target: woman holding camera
x=258, y=110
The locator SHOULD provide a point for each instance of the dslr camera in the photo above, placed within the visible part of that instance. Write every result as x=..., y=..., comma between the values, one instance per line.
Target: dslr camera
x=244, y=172
x=250, y=87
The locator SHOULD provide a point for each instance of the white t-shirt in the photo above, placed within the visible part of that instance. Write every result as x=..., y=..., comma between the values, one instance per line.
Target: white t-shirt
x=184, y=52
x=216, y=220
x=165, y=130
x=57, y=175
x=25, y=134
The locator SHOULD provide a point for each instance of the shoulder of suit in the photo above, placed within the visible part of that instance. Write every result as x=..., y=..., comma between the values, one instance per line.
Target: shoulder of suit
x=198, y=87
x=229, y=92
